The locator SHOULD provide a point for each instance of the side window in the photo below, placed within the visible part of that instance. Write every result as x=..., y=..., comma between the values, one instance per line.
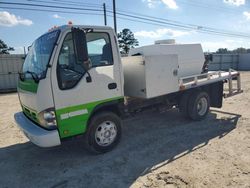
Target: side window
x=68, y=71
x=99, y=49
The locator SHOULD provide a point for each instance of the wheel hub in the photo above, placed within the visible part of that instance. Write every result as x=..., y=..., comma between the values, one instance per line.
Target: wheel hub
x=202, y=106
x=105, y=133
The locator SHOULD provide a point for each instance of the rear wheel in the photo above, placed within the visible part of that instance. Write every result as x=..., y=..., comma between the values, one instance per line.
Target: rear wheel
x=198, y=105
x=104, y=132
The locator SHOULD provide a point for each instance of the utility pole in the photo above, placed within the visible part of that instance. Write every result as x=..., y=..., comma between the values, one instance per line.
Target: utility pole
x=114, y=14
x=105, y=14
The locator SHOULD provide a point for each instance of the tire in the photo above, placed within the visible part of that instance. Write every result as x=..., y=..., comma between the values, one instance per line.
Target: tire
x=183, y=105
x=198, y=105
x=104, y=132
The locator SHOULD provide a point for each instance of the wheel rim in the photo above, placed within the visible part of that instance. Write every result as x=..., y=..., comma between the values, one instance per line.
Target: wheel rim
x=202, y=106
x=105, y=133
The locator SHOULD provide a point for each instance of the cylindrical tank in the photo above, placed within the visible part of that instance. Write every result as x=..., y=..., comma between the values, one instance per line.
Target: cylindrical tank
x=190, y=56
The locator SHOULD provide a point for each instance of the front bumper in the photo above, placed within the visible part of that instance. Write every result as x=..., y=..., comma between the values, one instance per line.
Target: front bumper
x=36, y=134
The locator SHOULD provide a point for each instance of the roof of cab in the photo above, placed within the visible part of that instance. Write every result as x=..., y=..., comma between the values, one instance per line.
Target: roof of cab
x=66, y=27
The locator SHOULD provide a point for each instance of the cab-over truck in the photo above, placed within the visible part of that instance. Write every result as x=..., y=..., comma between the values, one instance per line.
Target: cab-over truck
x=74, y=82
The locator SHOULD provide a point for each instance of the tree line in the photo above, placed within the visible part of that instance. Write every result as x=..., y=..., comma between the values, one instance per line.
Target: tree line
x=235, y=51
x=4, y=48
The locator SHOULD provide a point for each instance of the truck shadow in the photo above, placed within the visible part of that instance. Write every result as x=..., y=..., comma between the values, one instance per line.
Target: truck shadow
x=150, y=140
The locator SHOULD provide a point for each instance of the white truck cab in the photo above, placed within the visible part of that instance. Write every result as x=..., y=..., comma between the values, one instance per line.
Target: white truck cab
x=56, y=93
x=72, y=83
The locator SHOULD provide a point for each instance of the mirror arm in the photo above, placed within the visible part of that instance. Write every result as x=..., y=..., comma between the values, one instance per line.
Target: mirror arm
x=21, y=76
x=88, y=78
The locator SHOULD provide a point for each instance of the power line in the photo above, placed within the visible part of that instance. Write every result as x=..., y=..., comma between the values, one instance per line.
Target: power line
x=87, y=13
x=153, y=20
x=157, y=24
x=147, y=22
x=50, y=6
x=67, y=3
x=141, y=18
x=190, y=3
x=58, y=11
x=75, y=2
x=196, y=27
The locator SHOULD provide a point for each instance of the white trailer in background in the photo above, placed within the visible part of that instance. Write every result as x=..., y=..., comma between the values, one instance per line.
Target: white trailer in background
x=77, y=84
x=10, y=64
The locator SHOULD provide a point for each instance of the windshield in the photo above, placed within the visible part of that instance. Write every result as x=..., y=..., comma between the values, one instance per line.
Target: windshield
x=39, y=55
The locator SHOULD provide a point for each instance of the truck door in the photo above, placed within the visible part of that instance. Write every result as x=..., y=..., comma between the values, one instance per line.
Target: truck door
x=75, y=94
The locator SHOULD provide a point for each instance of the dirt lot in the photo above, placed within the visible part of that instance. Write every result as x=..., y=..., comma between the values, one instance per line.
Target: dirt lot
x=158, y=149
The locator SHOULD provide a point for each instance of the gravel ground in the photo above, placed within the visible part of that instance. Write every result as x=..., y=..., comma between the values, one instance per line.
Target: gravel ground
x=158, y=149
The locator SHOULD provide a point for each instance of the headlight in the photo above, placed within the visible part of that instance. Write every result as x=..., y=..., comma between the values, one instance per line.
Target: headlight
x=47, y=119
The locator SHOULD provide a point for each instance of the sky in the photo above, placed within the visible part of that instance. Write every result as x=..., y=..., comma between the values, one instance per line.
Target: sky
x=19, y=27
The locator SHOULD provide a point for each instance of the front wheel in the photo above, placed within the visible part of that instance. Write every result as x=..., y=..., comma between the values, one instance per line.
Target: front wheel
x=198, y=105
x=104, y=132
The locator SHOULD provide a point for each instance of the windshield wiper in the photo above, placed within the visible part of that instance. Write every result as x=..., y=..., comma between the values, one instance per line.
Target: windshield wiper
x=33, y=75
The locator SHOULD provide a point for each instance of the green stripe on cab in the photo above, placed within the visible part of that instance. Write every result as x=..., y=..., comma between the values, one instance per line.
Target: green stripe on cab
x=28, y=85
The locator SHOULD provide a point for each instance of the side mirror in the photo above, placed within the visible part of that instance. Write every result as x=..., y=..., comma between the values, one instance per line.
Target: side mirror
x=80, y=47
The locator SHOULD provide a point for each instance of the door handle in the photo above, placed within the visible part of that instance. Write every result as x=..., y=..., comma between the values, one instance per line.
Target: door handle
x=112, y=85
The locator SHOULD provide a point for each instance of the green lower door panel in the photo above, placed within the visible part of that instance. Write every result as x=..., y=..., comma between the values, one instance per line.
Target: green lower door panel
x=73, y=120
